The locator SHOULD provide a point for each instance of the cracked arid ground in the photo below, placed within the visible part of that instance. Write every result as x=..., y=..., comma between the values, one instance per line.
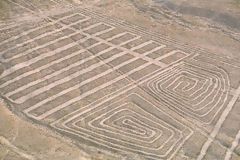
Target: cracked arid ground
x=119, y=80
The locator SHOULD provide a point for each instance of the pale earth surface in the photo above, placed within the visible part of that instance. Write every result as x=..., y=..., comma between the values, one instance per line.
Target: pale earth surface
x=119, y=79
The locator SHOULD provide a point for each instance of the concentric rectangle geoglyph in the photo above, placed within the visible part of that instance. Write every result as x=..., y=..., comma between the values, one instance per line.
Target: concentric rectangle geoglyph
x=108, y=84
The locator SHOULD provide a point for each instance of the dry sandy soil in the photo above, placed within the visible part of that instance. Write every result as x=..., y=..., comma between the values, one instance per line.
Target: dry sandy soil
x=204, y=26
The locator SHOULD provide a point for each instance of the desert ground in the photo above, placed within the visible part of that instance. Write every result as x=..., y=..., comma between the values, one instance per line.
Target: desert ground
x=119, y=80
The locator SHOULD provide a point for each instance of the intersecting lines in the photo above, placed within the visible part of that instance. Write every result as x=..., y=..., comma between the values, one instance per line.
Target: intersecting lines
x=64, y=67
x=195, y=89
x=132, y=124
x=72, y=53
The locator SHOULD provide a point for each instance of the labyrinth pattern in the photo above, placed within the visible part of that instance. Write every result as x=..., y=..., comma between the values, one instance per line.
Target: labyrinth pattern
x=106, y=83
x=125, y=125
x=196, y=90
